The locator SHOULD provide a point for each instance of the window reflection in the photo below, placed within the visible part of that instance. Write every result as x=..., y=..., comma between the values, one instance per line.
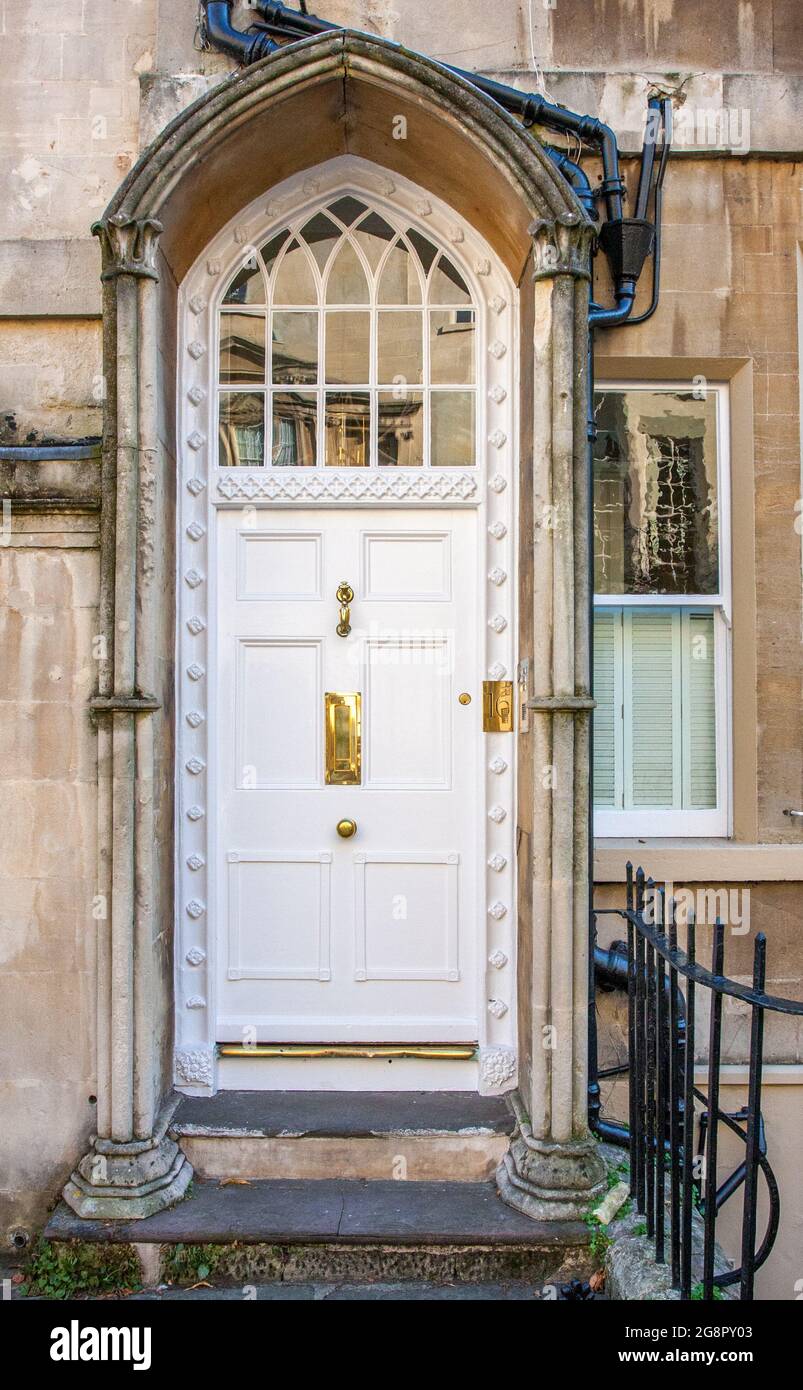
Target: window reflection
x=321, y=235
x=451, y=347
x=347, y=283
x=426, y=251
x=242, y=429
x=295, y=282
x=447, y=285
x=270, y=251
x=452, y=428
x=401, y=429
x=242, y=348
x=295, y=429
x=348, y=347
x=348, y=209
x=400, y=348
x=399, y=282
x=247, y=287
x=347, y=417
x=372, y=237
x=294, y=347
x=655, y=493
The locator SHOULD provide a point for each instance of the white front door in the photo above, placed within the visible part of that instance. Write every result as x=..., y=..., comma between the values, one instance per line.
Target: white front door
x=371, y=938
x=347, y=393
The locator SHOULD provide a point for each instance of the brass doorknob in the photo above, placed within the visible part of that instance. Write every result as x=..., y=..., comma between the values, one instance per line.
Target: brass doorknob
x=346, y=828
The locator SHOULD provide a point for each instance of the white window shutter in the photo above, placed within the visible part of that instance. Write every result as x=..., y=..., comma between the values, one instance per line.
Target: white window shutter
x=699, y=711
x=652, y=707
x=608, y=711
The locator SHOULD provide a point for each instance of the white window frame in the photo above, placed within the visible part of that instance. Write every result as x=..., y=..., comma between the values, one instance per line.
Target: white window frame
x=373, y=387
x=664, y=822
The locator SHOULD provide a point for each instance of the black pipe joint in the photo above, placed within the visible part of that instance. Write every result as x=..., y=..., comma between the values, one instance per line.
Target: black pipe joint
x=260, y=46
x=247, y=46
x=611, y=965
x=627, y=242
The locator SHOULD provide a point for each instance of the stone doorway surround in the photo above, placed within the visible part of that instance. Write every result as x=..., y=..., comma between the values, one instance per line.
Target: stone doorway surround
x=207, y=493
x=339, y=93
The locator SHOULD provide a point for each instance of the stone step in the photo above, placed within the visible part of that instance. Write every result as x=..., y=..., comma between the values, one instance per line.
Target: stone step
x=451, y=1136
x=342, y=1230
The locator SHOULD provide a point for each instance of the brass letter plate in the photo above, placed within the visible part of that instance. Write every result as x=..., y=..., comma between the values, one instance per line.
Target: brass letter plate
x=343, y=733
x=497, y=707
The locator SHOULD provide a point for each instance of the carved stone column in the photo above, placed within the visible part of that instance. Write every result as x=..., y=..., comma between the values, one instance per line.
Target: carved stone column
x=133, y=1169
x=552, y=1169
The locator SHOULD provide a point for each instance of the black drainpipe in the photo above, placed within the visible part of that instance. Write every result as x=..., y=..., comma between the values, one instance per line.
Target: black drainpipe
x=634, y=246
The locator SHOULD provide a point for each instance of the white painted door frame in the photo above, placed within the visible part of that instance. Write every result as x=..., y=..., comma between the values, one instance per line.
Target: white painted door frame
x=203, y=489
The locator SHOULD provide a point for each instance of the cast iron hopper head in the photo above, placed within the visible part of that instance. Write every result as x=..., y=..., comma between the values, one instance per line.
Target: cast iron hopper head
x=627, y=242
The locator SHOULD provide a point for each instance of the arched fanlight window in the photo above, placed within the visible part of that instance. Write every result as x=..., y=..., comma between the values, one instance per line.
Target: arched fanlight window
x=347, y=341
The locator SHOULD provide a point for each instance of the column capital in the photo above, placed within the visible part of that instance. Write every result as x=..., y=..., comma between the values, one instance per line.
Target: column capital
x=129, y=245
x=562, y=246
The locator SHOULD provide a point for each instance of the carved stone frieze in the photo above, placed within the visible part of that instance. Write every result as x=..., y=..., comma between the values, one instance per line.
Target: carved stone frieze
x=311, y=486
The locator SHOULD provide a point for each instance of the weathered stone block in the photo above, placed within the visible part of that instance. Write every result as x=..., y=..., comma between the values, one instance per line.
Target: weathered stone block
x=32, y=17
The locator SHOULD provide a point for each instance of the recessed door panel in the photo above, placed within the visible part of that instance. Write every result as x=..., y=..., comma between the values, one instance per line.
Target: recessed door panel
x=278, y=565
x=279, y=916
x=408, y=565
x=406, y=916
x=408, y=683
x=277, y=714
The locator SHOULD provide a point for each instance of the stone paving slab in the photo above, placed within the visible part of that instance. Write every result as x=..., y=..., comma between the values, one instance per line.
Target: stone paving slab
x=350, y=1293
x=294, y=1212
x=346, y=1114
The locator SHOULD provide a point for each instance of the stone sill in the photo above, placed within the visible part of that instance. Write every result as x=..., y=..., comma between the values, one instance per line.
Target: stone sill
x=61, y=478
x=698, y=861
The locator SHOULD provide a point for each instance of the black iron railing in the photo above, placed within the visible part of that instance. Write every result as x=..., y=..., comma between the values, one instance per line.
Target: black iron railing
x=673, y=1145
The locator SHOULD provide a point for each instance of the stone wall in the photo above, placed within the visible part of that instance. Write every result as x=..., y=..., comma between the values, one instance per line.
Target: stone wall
x=48, y=777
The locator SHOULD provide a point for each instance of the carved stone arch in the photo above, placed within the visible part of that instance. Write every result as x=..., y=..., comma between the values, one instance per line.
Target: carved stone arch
x=338, y=93
x=344, y=93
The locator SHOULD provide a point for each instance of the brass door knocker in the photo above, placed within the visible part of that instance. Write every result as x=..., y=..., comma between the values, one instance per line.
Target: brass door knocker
x=344, y=596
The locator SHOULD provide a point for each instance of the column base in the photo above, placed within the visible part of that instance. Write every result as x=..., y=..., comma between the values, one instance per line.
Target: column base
x=549, y=1181
x=126, y=1182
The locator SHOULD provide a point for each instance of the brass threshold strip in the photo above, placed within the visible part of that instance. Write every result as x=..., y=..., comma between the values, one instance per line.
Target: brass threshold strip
x=456, y=1052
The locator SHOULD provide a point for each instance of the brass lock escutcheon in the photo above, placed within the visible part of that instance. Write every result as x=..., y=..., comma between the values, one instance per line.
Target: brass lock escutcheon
x=345, y=597
x=497, y=707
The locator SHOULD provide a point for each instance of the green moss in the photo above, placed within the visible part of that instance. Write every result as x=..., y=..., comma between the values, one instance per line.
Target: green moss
x=187, y=1264
x=70, y=1269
